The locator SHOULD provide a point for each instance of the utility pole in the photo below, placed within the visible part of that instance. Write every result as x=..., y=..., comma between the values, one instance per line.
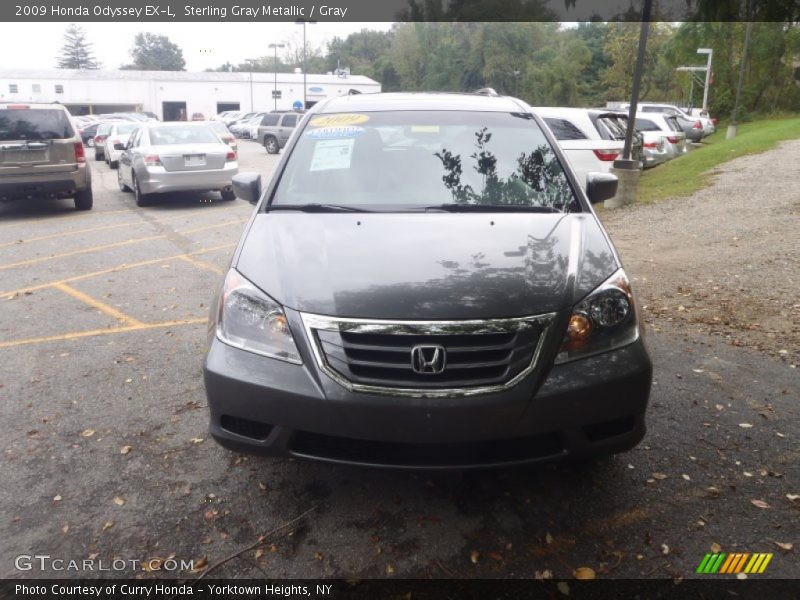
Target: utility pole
x=305, y=89
x=733, y=128
x=626, y=169
x=275, y=69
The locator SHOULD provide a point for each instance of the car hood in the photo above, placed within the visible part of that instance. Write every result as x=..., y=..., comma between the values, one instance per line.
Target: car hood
x=426, y=265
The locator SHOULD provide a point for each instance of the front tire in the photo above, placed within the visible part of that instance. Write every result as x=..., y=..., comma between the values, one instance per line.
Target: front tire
x=227, y=195
x=271, y=144
x=84, y=199
x=98, y=156
x=113, y=164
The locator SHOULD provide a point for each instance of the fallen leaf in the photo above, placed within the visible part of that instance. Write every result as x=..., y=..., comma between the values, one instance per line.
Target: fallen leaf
x=262, y=486
x=584, y=573
x=546, y=574
x=659, y=476
x=686, y=477
x=108, y=525
x=65, y=528
x=125, y=450
x=664, y=549
x=93, y=555
x=119, y=501
x=548, y=538
x=716, y=548
x=745, y=425
x=197, y=440
x=759, y=503
x=318, y=556
x=200, y=564
x=793, y=497
x=87, y=433
x=496, y=556
x=698, y=370
x=259, y=553
x=563, y=587
x=390, y=569
x=474, y=556
x=784, y=545
x=714, y=491
x=58, y=498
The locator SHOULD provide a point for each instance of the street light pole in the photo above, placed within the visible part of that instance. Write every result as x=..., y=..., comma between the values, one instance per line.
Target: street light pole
x=305, y=89
x=734, y=126
x=275, y=68
x=710, y=53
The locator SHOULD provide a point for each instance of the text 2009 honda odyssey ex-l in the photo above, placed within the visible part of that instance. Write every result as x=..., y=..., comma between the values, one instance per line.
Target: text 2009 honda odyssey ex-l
x=423, y=284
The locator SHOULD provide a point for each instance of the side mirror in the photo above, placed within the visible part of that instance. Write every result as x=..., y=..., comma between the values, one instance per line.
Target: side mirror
x=601, y=187
x=247, y=186
x=120, y=146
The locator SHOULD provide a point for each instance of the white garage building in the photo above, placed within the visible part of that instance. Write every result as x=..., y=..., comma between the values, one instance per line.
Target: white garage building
x=173, y=95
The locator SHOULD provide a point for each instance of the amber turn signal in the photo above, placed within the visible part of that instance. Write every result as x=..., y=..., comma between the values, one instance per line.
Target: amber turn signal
x=578, y=330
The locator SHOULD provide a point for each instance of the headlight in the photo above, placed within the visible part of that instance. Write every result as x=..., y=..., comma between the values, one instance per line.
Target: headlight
x=604, y=320
x=250, y=320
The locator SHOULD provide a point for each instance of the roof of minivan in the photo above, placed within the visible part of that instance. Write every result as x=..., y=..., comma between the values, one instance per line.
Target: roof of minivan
x=419, y=101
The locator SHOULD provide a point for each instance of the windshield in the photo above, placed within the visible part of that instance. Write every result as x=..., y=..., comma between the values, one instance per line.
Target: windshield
x=126, y=128
x=34, y=124
x=182, y=134
x=424, y=158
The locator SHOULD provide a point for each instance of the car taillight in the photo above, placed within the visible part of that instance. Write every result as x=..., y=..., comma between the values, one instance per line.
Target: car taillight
x=697, y=125
x=672, y=140
x=17, y=106
x=606, y=155
x=649, y=144
x=80, y=155
x=231, y=156
x=98, y=139
x=152, y=160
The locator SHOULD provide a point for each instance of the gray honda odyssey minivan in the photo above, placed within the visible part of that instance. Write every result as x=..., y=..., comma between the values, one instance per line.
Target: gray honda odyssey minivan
x=423, y=284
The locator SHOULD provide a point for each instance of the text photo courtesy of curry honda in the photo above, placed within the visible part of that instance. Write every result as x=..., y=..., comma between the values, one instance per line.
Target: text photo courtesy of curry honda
x=375, y=300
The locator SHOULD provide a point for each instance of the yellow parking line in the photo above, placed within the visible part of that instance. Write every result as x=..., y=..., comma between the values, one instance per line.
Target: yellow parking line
x=96, y=332
x=93, y=302
x=88, y=230
x=40, y=259
x=97, y=213
x=122, y=267
x=201, y=263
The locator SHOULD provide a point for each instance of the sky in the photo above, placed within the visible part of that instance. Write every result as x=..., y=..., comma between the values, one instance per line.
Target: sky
x=204, y=45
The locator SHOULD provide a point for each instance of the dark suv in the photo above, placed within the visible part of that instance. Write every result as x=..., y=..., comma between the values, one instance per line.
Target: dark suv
x=41, y=154
x=424, y=284
x=276, y=128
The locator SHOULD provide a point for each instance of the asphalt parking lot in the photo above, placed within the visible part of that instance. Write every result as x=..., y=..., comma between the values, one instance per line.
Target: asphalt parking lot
x=106, y=453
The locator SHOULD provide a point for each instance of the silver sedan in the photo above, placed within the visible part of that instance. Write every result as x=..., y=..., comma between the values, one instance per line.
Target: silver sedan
x=175, y=157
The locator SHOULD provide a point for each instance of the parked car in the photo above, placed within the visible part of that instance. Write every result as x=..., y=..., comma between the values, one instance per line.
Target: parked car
x=242, y=127
x=275, y=130
x=424, y=284
x=41, y=154
x=668, y=127
x=100, y=135
x=117, y=136
x=224, y=134
x=592, y=139
x=87, y=133
x=655, y=148
x=170, y=157
x=708, y=125
x=693, y=128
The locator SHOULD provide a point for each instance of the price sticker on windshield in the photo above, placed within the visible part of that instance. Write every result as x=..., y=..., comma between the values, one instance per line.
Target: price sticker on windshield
x=338, y=120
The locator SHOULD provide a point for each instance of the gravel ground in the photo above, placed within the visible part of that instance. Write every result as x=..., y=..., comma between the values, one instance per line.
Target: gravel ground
x=725, y=261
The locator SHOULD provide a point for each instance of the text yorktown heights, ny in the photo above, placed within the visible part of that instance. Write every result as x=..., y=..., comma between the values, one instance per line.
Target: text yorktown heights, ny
x=167, y=10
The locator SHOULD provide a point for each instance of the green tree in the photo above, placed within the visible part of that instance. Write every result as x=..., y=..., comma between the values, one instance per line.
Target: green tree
x=154, y=52
x=76, y=53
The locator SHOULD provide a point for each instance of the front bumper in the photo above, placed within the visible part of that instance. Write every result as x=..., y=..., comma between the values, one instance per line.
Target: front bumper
x=156, y=180
x=578, y=409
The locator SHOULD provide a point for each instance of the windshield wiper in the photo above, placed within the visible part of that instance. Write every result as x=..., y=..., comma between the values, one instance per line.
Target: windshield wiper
x=316, y=208
x=453, y=207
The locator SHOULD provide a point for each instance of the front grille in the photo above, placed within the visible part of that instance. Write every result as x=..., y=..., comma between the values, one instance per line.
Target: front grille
x=316, y=445
x=377, y=355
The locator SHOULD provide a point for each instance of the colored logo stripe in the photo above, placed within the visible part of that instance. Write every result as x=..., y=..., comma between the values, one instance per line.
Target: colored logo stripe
x=734, y=563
